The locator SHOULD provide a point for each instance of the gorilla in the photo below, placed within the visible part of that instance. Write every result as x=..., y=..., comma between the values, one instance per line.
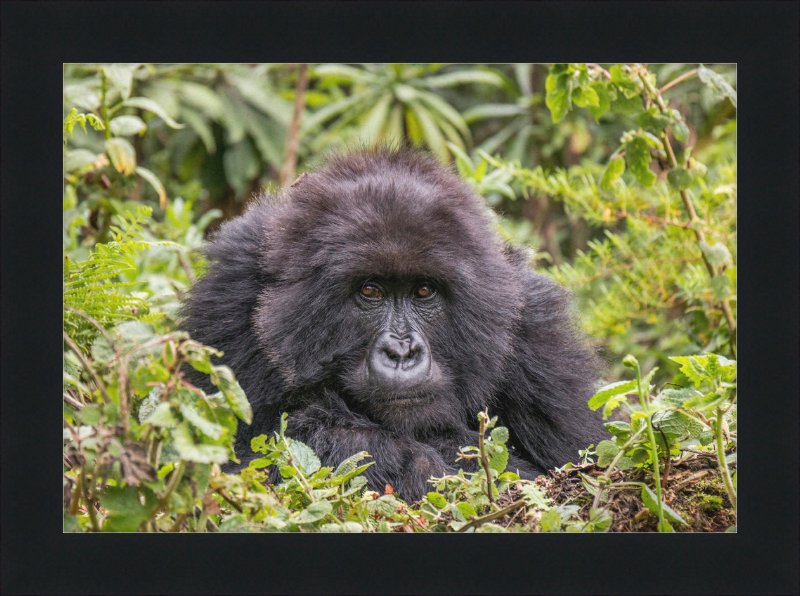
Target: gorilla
x=373, y=302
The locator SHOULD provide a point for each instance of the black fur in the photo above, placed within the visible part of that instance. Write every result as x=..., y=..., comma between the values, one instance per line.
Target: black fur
x=281, y=299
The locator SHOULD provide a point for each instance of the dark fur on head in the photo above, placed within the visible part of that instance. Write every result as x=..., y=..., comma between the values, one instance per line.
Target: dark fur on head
x=281, y=299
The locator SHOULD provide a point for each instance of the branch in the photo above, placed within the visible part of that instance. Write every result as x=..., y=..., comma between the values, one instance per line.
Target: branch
x=293, y=137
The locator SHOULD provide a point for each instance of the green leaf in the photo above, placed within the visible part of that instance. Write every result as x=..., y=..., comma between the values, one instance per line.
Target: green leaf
x=618, y=428
x=613, y=171
x=651, y=502
x=124, y=507
x=121, y=75
x=348, y=526
x=500, y=435
x=161, y=416
x=721, y=286
x=677, y=397
x=77, y=158
x=122, y=155
x=203, y=453
x=90, y=414
x=550, y=521
x=155, y=183
x=304, y=458
x=627, y=106
x=585, y=96
x=716, y=254
x=654, y=120
x=131, y=334
x=706, y=402
x=499, y=459
x=717, y=83
x=437, y=500
x=223, y=377
x=606, y=451
x=151, y=106
x=603, y=100
x=535, y=496
x=207, y=427
x=679, y=178
x=127, y=125
x=467, y=510
x=672, y=424
x=680, y=131
x=462, y=77
x=609, y=391
x=637, y=154
x=314, y=512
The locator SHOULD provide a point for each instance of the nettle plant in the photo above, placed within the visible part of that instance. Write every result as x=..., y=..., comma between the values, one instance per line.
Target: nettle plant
x=665, y=424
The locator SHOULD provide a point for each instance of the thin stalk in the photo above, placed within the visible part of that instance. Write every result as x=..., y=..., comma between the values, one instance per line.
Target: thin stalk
x=723, y=465
x=485, y=459
x=656, y=473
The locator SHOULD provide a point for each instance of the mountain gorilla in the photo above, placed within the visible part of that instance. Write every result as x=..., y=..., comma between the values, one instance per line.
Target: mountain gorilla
x=372, y=301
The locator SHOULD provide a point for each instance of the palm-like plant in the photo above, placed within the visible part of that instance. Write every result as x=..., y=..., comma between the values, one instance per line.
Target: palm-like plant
x=392, y=102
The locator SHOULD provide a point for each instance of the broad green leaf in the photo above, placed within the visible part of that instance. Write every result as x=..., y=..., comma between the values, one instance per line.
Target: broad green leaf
x=606, y=451
x=121, y=75
x=161, y=416
x=314, y=512
x=722, y=286
x=716, y=254
x=199, y=124
x=155, y=183
x=623, y=81
x=717, y=83
x=127, y=125
x=607, y=392
x=680, y=131
x=349, y=465
x=706, y=402
x=585, y=96
x=558, y=102
x=130, y=334
x=654, y=120
x=77, y=158
x=677, y=397
x=145, y=103
x=679, y=178
x=672, y=424
x=627, y=106
x=304, y=458
x=651, y=502
x=207, y=427
x=124, y=508
x=437, y=500
x=189, y=450
x=550, y=521
x=500, y=434
x=612, y=173
x=499, y=459
x=223, y=377
x=467, y=510
x=618, y=428
x=348, y=526
x=535, y=496
x=603, y=100
x=90, y=414
x=637, y=154
x=122, y=155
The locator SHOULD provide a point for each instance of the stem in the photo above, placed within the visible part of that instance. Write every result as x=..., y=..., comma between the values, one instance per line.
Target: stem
x=683, y=77
x=723, y=465
x=687, y=203
x=610, y=470
x=293, y=138
x=484, y=458
x=656, y=474
x=103, y=106
x=479, y=521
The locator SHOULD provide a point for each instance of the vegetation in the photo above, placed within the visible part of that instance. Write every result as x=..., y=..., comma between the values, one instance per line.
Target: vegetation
x=622, y=177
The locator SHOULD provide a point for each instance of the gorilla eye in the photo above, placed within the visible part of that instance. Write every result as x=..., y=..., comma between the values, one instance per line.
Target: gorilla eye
x=424, y=291
x=371, y=291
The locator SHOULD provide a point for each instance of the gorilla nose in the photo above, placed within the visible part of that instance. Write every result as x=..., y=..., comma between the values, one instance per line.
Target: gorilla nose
x=400, y=360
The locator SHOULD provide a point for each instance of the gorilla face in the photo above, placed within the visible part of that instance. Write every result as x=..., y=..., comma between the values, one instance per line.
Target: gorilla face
x=385, y=294
x=374, y=304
